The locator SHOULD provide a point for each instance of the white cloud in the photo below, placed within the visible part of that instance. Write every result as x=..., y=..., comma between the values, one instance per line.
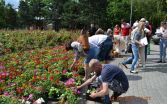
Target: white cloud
x=15, y=3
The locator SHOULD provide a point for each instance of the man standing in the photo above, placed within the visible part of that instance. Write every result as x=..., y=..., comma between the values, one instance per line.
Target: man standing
x=111, y=77
x=125, y=30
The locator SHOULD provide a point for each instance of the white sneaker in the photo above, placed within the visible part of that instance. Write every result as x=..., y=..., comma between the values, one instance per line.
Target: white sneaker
x=134, y=71
x=144, y=66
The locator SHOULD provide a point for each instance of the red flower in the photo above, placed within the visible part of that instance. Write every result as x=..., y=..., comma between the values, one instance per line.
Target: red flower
x=51, y=77
x=19, y=90
x=44, y=77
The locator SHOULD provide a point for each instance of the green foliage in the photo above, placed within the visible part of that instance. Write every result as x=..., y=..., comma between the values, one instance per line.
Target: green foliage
x=24, y=13
x=78, y=13
x=8, y=100
x=117, y=10
x=10, y=17
x=2, y=15
x=26, y=40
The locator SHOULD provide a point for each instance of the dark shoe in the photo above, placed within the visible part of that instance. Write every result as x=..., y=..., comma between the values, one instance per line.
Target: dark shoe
x=115, y=96
x=124, y=65
x=134, y=72
x=159, y=61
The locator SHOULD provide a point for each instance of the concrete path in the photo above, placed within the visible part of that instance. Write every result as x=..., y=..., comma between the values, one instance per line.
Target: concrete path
x=149, y=86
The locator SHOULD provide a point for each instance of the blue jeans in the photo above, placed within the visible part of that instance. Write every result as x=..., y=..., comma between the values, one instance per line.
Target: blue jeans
x=91, y=54
x=105, y=49
x=134, y=58
x=106, y=100
x=163, y=45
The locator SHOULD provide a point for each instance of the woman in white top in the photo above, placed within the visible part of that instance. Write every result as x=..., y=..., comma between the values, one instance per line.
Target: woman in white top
x=163, y=42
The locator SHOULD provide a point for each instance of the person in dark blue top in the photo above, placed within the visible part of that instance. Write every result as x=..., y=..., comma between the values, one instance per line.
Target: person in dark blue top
x=111, y=77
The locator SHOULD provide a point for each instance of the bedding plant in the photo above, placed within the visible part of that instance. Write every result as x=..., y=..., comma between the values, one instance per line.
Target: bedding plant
x=38, y=73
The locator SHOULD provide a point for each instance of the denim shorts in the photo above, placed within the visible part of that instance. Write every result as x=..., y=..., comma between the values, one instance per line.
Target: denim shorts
x=115, y=85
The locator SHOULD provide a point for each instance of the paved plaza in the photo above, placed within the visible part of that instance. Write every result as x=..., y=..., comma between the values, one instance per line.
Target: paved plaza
x=149, y=86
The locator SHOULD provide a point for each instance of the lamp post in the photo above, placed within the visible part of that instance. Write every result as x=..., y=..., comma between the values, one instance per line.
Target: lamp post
x=131, y=8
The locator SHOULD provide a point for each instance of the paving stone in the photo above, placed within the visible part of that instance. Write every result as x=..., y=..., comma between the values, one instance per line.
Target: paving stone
x=148, y=86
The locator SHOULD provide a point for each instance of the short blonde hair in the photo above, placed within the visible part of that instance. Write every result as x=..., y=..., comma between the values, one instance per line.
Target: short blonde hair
x=93, y=62
x=99, y=31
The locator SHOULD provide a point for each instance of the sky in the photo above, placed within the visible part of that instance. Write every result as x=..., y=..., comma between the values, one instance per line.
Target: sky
x=15, y=3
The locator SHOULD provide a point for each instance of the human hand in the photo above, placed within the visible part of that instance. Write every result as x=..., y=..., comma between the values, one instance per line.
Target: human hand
x=71, y=67
x=141, y=44
x=93, y=95
x=78, y=87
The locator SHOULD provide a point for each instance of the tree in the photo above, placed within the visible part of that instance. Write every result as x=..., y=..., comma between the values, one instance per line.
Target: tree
x=71, y=15
x=56, y=12
x=10, y=17
x=38, y=12
x=24, y=14
x=94, y=11
x=117, y=10
x=2, y=15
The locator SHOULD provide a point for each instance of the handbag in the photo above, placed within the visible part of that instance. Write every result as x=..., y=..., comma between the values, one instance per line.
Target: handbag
x=129, y=48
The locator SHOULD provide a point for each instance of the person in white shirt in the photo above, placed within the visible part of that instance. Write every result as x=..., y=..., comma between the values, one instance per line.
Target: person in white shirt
x=163, y=42
x=78, y=52
x=105, y=45
x=100, y=46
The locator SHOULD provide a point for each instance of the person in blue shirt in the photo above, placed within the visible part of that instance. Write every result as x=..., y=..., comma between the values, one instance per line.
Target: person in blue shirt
x=111, y=77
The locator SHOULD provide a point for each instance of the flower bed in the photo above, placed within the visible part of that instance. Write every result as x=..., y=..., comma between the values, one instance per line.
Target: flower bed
x=41, y=73
x=21, y=40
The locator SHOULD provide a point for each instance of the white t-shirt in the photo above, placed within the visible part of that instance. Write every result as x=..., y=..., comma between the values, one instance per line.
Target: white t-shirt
x=77, y=45
x=163, y=31
x=97, y=39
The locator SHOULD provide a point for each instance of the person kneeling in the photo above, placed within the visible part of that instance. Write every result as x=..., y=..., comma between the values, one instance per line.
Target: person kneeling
x=111, y=77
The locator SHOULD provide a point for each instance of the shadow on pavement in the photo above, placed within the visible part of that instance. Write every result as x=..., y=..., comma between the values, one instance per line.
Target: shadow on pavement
x=152, y=59
x=133, y=100
x=160, y=68
x=134, y=77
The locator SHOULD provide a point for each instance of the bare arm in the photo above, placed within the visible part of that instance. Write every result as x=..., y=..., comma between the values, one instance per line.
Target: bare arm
x=73, y=64
x=138, y=42
x=103, y=92
x=90, y=80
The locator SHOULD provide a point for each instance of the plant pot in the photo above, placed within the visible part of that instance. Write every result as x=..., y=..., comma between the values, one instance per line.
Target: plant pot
x=97, y=99
x=93, y=85
x=81, y=72
x=63, y=78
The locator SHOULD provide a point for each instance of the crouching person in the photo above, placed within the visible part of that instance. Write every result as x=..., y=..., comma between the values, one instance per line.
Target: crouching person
x=111, y=77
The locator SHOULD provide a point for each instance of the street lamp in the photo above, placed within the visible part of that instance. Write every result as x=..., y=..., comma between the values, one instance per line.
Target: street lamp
x=131, y=8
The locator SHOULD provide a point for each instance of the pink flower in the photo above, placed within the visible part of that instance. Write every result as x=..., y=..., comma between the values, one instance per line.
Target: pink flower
x=70, y=82
x=6, y=93
x=78, y=92
x=30, y=97
x=2, y=81
x=2, y=67
x=64, y=71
